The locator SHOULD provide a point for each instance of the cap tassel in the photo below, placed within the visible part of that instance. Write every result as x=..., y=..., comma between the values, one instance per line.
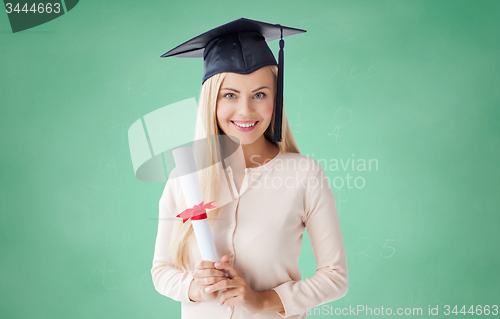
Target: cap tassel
x=279, y=94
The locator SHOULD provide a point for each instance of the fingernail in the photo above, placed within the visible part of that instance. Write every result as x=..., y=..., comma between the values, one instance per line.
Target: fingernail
x=219, y=303
x=207, y=290
x=217, y=265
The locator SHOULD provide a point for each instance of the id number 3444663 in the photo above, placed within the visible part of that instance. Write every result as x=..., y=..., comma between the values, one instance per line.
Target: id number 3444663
x=40, y=8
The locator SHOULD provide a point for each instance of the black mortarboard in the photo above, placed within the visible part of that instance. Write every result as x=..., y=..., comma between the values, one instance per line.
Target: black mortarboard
x=240, y=47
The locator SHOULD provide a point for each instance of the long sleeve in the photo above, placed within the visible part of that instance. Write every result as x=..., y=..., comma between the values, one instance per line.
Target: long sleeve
x=168, y=280
x=330, y=282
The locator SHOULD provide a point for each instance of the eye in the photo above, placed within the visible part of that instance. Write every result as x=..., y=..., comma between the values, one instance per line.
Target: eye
x=230, y=95
x=259, y=95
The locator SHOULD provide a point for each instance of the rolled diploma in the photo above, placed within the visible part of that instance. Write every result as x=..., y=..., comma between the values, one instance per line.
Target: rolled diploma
x=184, y=161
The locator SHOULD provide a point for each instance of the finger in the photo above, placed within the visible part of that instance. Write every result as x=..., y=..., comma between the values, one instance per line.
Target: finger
x=202, y=273
x=223, y=284
x=204, y=264
x=227, y=297
x=225, y=259
x=229, y=267
x=208, y=281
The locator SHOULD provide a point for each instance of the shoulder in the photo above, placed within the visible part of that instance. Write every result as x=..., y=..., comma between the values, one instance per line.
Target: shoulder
x=296, y=162
x=307, y=168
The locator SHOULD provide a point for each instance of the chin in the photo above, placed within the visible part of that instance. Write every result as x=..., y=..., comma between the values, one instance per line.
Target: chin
x=244, y=140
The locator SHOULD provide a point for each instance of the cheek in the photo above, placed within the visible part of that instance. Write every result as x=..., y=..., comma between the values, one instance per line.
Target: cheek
x=267, y=112
x=221, y=114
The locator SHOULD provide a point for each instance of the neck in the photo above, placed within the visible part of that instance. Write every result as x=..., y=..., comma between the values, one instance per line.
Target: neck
x=260, y=151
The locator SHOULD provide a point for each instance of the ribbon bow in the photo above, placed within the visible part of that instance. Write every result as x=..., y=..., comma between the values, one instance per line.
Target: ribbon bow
x=196, y=213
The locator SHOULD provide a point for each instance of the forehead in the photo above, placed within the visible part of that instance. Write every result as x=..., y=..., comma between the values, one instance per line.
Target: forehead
x=261, y=77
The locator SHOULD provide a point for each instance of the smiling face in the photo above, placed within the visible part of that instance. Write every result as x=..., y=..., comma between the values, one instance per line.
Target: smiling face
x=245, y=104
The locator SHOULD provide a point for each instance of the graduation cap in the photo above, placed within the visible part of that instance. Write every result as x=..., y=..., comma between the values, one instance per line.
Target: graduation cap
x=240, y=47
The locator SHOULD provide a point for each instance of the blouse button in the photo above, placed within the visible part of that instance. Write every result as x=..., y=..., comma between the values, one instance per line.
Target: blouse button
x=247, y=170
x=233, y=225
x=231, y=255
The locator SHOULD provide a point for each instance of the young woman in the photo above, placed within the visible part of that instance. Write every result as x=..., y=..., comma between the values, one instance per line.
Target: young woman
x=259, y=234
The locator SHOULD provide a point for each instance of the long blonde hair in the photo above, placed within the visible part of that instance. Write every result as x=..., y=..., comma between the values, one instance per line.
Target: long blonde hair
x=206, y=125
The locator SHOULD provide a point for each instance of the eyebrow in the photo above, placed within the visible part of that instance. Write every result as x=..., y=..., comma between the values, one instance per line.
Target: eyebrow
x=262, y=87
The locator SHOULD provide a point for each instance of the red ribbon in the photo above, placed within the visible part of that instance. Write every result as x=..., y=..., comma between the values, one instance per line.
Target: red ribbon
x=196, y=213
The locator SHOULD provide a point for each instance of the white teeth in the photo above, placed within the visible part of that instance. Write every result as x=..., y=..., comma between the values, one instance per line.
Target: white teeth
x=245, y=125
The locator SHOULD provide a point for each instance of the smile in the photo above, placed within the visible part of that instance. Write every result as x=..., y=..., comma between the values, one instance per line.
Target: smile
x=248, y=124
x=245, y=126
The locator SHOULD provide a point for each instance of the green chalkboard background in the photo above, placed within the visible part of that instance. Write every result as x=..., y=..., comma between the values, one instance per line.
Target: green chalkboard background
x=411, y=85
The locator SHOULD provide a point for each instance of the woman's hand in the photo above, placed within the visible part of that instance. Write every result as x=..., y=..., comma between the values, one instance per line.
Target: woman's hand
x=206, y=275
x=238, y=291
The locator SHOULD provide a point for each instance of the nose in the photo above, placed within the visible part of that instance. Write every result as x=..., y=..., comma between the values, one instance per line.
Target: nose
x=245, y=106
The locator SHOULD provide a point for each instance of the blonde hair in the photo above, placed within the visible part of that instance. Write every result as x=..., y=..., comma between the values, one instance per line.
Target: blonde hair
x=206, y=126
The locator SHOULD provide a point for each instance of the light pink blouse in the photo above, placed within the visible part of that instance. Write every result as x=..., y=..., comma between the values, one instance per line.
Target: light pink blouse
x=261, y=231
